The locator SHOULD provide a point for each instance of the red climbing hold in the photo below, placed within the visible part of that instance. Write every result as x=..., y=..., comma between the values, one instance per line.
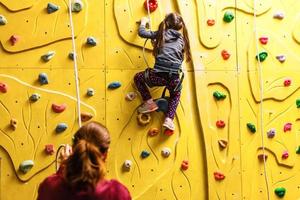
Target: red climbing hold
x=49, y=149
x=263, y=40
x=220, y=124
x=168, y=132
x=287, y=127
x=287, y=82
x=13, y=39
x=152, y=5
x=58, y=108
x=225, y=54
x=3, y=87
x=210, y=22
x=219, y=176
x=185, y=165
x=285, y=155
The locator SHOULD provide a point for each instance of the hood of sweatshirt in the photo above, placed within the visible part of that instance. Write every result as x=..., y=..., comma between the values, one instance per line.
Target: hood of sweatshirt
x=171, y=35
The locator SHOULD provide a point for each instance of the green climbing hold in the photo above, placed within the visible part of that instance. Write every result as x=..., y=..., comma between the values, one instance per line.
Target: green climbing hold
x=26, y=165
x=228, y=16
x=251, y=127
x=298, y=150
x=298, y=103
x=280, y=192
x=218, y=95
x=262, y=56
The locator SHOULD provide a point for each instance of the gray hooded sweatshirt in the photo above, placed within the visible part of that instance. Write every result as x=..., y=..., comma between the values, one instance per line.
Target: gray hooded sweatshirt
x=170, y=56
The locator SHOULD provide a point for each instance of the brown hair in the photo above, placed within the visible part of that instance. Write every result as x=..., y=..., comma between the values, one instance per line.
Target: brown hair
x=172, y=21
x=85, y=166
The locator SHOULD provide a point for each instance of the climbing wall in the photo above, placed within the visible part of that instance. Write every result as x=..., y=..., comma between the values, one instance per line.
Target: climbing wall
x=237, y=123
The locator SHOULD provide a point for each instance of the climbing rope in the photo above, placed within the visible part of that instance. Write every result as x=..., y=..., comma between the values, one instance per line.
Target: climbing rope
x=144, y=46
x=75, y=63
x=261, y=99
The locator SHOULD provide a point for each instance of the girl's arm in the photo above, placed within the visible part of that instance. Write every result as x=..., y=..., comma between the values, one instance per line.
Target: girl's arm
x=143, y=32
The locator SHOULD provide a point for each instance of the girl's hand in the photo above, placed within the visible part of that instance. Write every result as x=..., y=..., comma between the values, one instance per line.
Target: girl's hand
x=65, y=153
x=144, y=21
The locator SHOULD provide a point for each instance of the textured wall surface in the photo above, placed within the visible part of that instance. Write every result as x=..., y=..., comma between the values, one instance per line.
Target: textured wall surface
x=117, y=57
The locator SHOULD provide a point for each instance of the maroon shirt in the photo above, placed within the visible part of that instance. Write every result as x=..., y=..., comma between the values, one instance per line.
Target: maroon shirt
x=54, y=187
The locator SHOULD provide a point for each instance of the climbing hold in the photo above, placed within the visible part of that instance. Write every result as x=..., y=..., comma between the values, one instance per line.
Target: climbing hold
x=13, y=124
x=34, y=97
x=271, y=133
x=287, y=82
x=26, y=165
x=218, y=95
x=51, y=8
x=114, y=85
x=298, y=150
x=49, y=149
x=130, y=96
x=145, y=154
x=127, y=165
x=298, y=103
x=43, y=78
x=71, y=55
x=280, y=192
x=210, y=22
x=168, y=132
x=225, y=54
x=3, y=87
x=14, y=39
x=228, y=16
x=61, y=127
x=281, y=58
x=85, y=116
x=287, y=127
x=262, y=56
x=48, y=56
x=222, y=143
x=162, y=104
x=152, y=5
x=91, y=41
x=251, y=127
x=153, y=132
x=219, y=176
x=90, y=92
x=143, y=119
x=220, y=124
x=58, y=108
x=278, y=15
x=185, y=165
x=262, y=157
x=263, y=39
x=285, y=155
x=165, y=152
x=77, y=6
x=3, y=20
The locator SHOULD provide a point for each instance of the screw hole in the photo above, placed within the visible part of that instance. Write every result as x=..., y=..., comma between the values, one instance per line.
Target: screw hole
x=129, y=139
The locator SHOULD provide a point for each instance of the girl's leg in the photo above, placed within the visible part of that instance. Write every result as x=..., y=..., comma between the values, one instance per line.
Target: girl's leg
x=139, y=80
x=174, y=98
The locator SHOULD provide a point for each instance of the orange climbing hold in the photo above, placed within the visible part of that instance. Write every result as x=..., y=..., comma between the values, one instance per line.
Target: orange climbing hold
x=219, y=176
x=85, y=116
x=220, y=124
x=49, y=149
x=185, y=165
x=210, y=22
x=225, y=54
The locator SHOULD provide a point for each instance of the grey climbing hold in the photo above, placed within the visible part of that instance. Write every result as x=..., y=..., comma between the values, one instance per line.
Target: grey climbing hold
x=281, y=58
x=51, y=8
x=43, y=78
x=61, y=127
x=127, y=165
x=145, y=154
x=131, y=96
x=165, y=152
x=77, y=6
x=91, y=41
x=114, y=85
x=26, y=165
x=71, y=55
x=3, y=20
x=90, y=92
x=278, y=15
x=271, y=133
x=48, y=56
x=34, y=97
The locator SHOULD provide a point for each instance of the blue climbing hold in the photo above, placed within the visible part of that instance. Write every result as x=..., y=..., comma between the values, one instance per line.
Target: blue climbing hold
x=34, y=97
x=91, y=41
x=114, y=85
x=162, y=104
x=61, y=127
x=51, y=8
x=43, y=78
x=26, y=165
x=145, y=154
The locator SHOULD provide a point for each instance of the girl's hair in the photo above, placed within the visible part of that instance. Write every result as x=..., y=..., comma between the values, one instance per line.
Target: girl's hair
x=85, y=166
x=172, y=21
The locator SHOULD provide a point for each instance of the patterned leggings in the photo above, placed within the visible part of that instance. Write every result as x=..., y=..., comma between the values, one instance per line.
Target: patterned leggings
x=160, y=79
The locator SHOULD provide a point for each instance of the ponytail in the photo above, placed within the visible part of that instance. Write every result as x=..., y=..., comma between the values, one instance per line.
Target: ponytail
x=187, y=49
x=160, y=40
x=85, y=167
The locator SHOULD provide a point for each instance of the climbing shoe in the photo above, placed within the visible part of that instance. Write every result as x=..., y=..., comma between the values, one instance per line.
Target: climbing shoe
x=169, y=124
x=147, y=107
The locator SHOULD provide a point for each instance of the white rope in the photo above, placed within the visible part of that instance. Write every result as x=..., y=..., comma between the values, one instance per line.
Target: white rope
x=261, y=99
x=75, y=64
x=144, y=46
